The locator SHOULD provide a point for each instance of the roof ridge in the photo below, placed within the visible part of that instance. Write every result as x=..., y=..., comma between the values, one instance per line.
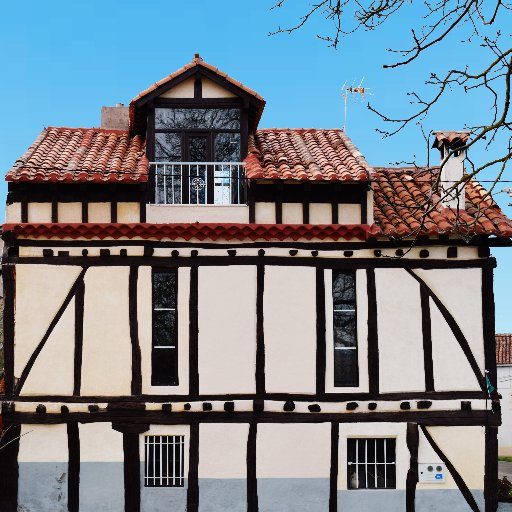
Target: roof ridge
x=83, y=129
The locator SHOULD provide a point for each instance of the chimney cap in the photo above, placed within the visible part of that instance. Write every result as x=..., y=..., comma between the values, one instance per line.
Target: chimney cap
x=452, y=139
x=197, y=57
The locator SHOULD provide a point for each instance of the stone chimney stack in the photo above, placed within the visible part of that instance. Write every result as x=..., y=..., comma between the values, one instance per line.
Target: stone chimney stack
x=452, y=167
x=115, y=118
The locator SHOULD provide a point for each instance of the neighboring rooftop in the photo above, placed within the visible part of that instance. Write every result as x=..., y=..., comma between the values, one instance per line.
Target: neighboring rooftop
x=504, y=348
x=400, y=196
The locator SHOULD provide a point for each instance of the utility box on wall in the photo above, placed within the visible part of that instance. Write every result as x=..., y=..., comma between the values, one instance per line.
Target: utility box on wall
x=433, y=473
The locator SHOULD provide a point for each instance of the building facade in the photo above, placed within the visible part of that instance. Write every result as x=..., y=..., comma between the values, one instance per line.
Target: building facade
x=203, y=315
x=504, y=379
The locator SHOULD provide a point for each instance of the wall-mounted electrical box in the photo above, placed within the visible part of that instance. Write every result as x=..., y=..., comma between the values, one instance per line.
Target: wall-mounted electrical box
x=433, y=473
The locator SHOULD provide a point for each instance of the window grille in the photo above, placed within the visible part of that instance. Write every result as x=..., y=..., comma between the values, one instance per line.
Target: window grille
x=164, y=360
x=345, y=329
x=371, y=463
x=164, y=461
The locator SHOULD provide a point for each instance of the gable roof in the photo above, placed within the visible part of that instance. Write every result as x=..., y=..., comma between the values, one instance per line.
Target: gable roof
x=304, y=154
x=200, y=67
x=504, y=348
x=400, y=197
x=76, y=155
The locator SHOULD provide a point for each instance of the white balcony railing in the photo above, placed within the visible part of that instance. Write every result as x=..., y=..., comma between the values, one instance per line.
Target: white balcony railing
x=199, y=183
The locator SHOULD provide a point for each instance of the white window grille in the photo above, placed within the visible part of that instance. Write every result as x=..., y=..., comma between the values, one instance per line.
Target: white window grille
x=371, y=463
x=164, y=461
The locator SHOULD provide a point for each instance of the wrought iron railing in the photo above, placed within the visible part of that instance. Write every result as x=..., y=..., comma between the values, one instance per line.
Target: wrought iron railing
x=199, y=183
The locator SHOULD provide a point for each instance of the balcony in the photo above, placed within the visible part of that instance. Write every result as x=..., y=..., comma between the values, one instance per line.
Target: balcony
x=199, y=183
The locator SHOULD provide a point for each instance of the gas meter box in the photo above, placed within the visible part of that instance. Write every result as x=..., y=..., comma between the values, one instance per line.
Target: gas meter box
x=433, y=473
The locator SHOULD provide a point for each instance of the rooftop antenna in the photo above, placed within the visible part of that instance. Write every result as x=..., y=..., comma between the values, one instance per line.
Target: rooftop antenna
x=353, y=91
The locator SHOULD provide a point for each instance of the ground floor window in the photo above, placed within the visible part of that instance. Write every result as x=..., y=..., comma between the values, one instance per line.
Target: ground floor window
x=371, y=463
x=164, y=461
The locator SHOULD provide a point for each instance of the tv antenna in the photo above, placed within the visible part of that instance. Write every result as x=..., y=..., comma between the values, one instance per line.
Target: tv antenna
x=353, y=91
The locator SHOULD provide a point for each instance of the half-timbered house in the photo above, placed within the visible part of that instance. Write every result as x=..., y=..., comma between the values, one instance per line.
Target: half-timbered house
x=204, y=315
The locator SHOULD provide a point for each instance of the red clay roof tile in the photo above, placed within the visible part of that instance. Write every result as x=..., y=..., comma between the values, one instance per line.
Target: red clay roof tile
x=198, y=231
x=75, y=155
x=403, y=207
x=304, y=154
x=504, y=348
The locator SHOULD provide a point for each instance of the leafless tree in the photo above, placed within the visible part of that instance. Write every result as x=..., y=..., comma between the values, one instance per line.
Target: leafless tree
x=483, y=26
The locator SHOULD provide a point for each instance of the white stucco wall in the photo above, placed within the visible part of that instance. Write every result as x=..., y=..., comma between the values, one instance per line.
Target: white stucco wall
x=362, y=334
x=505, y=389
x=227, y=329
x=265, y=213
x=39, y=212
x=185, y=89
x=13, y=213
x=223, y=450
x=295, y=450
x=99, y=212
x=452, y=371
x=128, y=212
x=106, y=344
x=349, y=213
x=292, y=213
x=289, y=306
x=43, y=443
x=400, y=332
x=163, y=213
x=99, y=442
x=460, y=290
x=40, y=291
x=320, y=213
x=464, y=447
x=69, y=212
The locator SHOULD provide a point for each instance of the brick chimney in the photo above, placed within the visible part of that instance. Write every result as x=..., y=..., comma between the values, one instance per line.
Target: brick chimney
x=452, y=167
x=115, y=118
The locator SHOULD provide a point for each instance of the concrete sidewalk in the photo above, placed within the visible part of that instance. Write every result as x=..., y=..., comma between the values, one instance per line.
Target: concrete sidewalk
x=505, y=469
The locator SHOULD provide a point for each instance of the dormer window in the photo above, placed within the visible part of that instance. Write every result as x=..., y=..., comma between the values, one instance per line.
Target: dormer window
x=197, y=135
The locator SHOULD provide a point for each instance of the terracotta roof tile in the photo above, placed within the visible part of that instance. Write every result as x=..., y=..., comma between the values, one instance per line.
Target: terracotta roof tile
x=198, y=231
x=401, y=198
x=82, y=155
x=504, y=348
x=304, y=154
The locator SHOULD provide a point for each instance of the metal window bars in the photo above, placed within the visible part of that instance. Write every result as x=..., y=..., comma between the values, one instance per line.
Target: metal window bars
x=369, y=467
x=164, y=461
x=199, y=183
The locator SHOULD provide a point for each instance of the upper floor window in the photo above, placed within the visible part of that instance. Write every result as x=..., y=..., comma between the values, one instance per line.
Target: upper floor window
x=164, y=355
x=345, y=329
x=197, y=134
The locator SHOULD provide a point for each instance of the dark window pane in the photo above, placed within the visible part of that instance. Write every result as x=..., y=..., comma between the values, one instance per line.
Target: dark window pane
x=197, y=149
x=370, y=450
x=227, y=147
x=362, y=476
x=345, y=368
x=344, y=329
x=343, y=288
x=380, y=450
x=351, y=450
x=164, y=290
x=167, y=147
x=163, y=363
x=391, y=476
x=190, y=118
x=381, y=481
x=390, y=450
x=164, y=326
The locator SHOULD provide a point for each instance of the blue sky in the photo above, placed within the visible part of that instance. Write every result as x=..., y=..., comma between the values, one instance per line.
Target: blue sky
x=61, y=61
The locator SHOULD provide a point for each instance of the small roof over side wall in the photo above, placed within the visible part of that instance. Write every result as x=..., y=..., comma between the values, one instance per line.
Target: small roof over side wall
x=201, y=69
x=504, y=348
